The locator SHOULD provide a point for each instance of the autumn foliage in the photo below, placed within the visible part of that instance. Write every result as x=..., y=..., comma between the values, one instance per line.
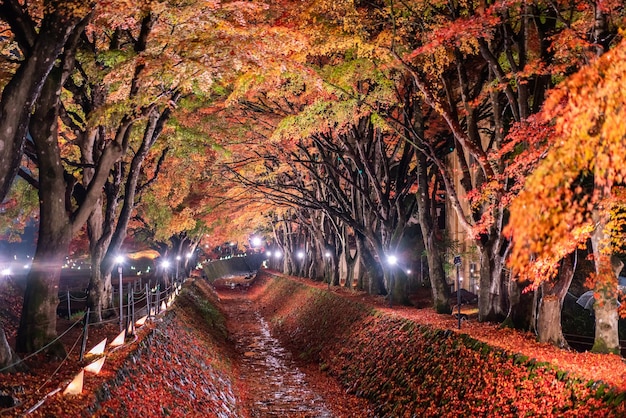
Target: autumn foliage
x=582, y=174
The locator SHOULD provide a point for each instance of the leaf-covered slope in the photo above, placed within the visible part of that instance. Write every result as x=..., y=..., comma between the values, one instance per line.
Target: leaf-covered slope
x=182, y=369
x=411, y=369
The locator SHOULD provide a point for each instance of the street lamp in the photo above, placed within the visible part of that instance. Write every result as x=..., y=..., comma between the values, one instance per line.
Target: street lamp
x=119, y=260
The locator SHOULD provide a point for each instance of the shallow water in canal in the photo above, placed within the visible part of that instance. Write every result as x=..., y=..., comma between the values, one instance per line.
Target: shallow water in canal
x=275, y=387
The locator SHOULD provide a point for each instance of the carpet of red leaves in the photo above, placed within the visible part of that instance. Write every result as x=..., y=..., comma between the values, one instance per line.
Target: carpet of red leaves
x=608, y=368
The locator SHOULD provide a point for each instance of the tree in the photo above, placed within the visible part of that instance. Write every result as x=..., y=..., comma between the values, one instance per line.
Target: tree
x=29, y=57
x=58, y=220
x=34, y=56
x=575, y=195
x=147, y=77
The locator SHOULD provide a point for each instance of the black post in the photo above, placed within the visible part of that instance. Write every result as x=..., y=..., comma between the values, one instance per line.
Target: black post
x=129, y=323
x=132, y=306
x=457, y=263
x=69, y=307
x=85, y=328
x=148, y=299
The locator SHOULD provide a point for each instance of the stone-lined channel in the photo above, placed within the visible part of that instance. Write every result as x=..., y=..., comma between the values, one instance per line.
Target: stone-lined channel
x=274, y=385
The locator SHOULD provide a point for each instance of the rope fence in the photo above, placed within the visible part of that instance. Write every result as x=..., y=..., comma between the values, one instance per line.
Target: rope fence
x=138, y=305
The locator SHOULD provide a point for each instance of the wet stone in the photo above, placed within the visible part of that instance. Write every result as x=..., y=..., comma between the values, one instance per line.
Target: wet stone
x=277, y=388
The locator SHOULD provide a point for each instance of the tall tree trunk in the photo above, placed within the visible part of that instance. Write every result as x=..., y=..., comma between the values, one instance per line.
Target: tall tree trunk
x=38, y=320
x=553, y=293
x=100, y=295
x=605, y=289
x=439, y=288
x=605, y=309
x=521, y=306
x=56, y=226
x=491, y=293
x=373, y=274
x=347, y=275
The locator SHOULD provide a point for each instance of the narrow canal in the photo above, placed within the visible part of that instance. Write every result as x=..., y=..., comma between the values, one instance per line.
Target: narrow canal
x=273, y=384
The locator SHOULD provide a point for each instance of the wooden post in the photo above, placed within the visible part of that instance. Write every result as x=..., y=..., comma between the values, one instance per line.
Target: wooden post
x=85, y=329
x=148, y=300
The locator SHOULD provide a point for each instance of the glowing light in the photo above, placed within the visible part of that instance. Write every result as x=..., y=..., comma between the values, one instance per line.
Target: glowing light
x=392, y=260
x=119, y=340
x=119, y=259
x=96, y=366
x=98, y=348
x=300, y=254
x=269, y=253
x=6, y=271
x=277, y=254
x=165, y=264
x=256, y=241
x=327, y=254
x=76, y=385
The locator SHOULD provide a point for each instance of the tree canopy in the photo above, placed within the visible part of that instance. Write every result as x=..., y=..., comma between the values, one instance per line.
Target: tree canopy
x=349, y=132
